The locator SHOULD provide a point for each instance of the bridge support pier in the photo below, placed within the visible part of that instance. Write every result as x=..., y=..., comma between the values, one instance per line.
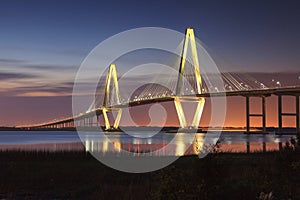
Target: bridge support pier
x=262, y=115
x=106, y=120
x=97, y=122
x=180, y=113
x=83, y=122
x=297, y=115
x=90, y=119
x=111, y=78
x=247, y=115
x=281, y=114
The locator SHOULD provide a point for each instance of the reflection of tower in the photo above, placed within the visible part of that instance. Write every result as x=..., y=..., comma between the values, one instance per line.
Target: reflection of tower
x=189, y=39
x=197, y=144
x=111, y=78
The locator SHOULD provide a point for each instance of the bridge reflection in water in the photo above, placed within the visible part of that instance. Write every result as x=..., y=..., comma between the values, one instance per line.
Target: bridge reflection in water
x=119, y=144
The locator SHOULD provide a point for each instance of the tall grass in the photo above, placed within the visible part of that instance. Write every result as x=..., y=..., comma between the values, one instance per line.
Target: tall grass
x=77, y=175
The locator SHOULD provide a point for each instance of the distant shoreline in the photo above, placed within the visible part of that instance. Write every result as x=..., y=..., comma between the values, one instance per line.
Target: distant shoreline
x=255, y=130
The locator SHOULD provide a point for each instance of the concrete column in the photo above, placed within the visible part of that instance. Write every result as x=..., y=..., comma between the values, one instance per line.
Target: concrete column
x=91, y=121
x=97, y=117
x=297, y=116
x=279, y=114
x=264, y=114
x=247, y=114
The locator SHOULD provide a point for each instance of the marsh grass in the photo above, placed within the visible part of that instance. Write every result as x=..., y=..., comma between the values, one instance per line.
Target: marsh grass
x=77, y=175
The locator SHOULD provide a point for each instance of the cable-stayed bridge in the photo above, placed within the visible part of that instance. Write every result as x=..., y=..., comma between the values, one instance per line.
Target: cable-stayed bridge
x=189, y=85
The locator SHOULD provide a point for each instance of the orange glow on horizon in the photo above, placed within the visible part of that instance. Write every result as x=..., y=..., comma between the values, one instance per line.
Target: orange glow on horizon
x=49, y=109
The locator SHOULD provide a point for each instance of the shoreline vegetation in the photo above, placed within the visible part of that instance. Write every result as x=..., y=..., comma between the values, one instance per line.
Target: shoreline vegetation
x=77, y=175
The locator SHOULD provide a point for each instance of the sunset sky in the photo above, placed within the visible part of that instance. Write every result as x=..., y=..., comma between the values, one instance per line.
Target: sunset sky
x=42, y=44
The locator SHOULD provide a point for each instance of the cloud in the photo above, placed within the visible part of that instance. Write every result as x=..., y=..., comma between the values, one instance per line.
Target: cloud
x=50, y=67
x=7, y=60
x=24, y=64
x=10, y=76
x=58, y=89
x=42, y=94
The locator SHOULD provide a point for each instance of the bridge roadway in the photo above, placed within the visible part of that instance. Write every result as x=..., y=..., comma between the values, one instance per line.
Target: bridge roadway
x=287, y=91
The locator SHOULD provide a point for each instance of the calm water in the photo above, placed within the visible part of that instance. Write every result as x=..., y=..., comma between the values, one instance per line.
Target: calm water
x=116, y=142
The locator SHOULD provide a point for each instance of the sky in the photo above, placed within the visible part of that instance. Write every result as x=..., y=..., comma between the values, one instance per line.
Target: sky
x=42, y=43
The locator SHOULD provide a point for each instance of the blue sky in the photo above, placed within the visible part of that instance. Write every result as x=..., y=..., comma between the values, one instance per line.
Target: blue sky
x=260, y=34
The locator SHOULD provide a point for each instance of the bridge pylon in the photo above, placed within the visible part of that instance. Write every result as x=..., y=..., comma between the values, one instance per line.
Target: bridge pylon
x=189, y=39
x=111, y=78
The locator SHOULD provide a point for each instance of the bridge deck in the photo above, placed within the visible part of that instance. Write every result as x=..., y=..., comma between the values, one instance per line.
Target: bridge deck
x=294, y=91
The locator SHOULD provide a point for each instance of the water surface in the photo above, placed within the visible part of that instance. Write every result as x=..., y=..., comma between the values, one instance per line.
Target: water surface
x=115, y=142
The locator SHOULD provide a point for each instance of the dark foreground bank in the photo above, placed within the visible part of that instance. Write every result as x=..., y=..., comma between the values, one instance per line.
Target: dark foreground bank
x=77, y=175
